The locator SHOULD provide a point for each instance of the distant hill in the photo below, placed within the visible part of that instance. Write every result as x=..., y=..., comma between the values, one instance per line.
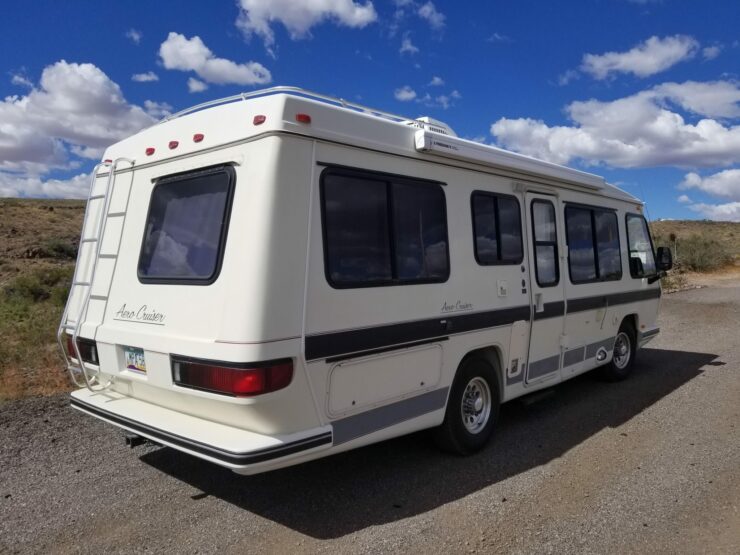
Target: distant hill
x=726, y=233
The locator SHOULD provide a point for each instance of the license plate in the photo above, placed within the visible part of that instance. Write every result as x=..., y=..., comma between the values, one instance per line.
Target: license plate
x=134, y=359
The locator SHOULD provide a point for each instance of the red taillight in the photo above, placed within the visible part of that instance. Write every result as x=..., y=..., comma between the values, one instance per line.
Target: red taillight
x=173, y=145
x=303, y=118
x=237, y=380
x=88, y=349
x=198, y=137
x=107, y=161
x=71, y=347
x=259, y=120
x=149, y=151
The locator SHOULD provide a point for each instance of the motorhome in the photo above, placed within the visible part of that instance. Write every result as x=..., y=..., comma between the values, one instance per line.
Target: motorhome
x=281, y=275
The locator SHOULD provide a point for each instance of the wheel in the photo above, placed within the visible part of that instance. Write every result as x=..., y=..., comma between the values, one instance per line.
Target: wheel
x=472, y=409
x=623, y=359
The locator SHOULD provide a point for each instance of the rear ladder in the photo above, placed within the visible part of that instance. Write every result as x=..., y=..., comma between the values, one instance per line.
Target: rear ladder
x=77, y=368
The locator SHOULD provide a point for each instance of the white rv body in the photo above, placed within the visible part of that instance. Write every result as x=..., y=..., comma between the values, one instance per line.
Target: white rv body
x=368, y=362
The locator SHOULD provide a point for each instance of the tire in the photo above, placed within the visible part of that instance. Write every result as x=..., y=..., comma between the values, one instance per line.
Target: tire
x=472, y=409
x=623, y=359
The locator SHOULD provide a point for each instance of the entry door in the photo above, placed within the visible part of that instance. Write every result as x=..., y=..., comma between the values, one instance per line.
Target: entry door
x=548, y=308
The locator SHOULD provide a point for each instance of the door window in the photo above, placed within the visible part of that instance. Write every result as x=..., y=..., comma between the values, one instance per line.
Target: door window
x=545, y=243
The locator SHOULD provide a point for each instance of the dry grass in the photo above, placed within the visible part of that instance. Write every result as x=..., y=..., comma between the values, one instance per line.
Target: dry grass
x=37, y=249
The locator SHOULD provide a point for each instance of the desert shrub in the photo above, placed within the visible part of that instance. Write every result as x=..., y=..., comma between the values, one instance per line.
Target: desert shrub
x=41, y=285
x=58, y=248
x=701, y=254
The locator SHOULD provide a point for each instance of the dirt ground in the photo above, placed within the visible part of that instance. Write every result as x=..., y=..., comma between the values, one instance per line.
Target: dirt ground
x=649, y=465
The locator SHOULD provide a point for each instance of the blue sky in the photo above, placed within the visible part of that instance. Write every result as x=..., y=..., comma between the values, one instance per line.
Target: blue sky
x=644, y=92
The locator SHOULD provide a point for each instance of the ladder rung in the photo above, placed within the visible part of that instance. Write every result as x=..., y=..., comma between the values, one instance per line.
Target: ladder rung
x=69, y=326
x=83, y=283
x=116, y=214
x=98, y=297
x=90, y=240
x=95, y=197
x=108, y=256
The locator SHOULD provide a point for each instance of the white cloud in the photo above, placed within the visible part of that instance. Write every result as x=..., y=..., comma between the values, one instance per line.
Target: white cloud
x=157, y=109
x=436, y=82
x=21, y=81
x=725, y=212
x=498, y=37
x=408, y=47
x=134, y=36
x=647, y=58
x=722, y=184
x=145, y=77
x=257, y=16
x=684, y=199
x=181, y=53
x=75, y=109
x=32, y=186
x=568, y=76
x=711, y=52
x=405, y=93
x=637, y=131
x=443, y=101
x=196, y=86
x=430, y=14
x=719, y=99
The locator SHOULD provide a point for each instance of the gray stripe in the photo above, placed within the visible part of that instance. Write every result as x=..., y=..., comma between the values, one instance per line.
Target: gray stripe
x=542, y=367
x=373, y=420
x=591, y=349
x=518, y=377
x=574, y=356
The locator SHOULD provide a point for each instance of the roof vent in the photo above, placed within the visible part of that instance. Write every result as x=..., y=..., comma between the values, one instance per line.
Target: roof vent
x=431, y=124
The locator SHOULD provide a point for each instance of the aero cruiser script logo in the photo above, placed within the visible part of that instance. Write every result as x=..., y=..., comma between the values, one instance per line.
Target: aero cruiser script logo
x=143, y=315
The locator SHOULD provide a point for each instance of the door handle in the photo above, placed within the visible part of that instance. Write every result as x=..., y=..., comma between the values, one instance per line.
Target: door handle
x=539, y=305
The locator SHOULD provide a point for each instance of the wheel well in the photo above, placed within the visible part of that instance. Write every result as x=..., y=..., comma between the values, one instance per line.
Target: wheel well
x=632, y=319
x=493, y=356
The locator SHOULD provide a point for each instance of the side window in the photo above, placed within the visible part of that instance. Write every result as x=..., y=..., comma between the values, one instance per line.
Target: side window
x=607, y=245
x=383, y=231
x=593, y=244
x=356, y=228
x=545, y=243
x=497, y=229
x=642, y=259
x=581, y=252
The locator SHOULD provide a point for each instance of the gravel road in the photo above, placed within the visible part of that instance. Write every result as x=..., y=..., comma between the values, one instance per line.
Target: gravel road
x=647, y=465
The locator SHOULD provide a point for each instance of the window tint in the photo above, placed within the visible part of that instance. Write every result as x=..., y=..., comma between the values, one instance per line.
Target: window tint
x=356, y=224
x=545, y=243
x=607, y=245
x=420, y=232
x=383, y=231
x=186, y=227
x=497, y=228
x=642, y=259
x=593, y=244
x=581, y=254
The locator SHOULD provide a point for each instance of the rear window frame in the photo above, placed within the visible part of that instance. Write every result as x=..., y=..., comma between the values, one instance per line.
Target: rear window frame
x=227, y=169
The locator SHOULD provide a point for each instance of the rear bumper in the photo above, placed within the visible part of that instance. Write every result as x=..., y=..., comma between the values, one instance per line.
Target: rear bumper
x=240, y=450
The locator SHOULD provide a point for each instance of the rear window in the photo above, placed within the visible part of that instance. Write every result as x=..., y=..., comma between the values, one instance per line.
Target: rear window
x=186, y=227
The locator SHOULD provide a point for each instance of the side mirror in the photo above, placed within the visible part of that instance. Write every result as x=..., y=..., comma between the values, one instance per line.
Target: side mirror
x=664, y=259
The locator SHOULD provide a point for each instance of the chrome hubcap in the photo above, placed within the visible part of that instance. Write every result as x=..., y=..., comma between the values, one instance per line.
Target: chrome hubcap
x=622, y=350
x=476, y=405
